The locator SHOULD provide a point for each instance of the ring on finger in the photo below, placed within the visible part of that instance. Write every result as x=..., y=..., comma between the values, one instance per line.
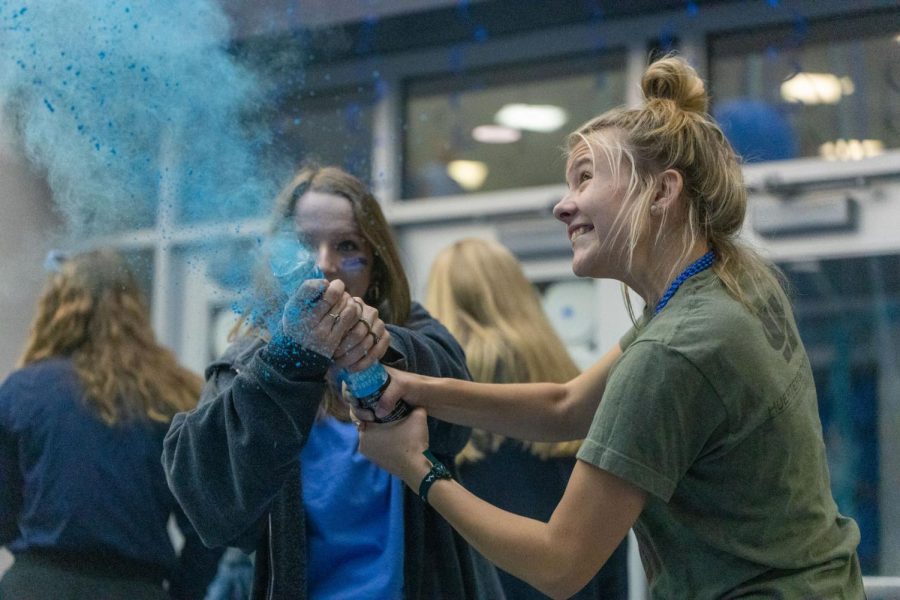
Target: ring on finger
x=336, y=317
x=366, y=323
x=374, y=337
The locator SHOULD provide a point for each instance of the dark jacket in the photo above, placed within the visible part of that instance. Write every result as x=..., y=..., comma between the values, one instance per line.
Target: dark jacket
x=234, y=463
x=78, y=491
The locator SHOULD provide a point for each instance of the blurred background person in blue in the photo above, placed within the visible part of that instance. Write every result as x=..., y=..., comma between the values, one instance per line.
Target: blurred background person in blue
x=478, y=290
x=84, y=505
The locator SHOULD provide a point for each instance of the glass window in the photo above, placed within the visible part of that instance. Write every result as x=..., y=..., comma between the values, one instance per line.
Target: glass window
x=232, y=266
x=330, y=128
x=503, y=128
x=848, y=317
x=302, y=125
x=142, y=265
x=828, y=89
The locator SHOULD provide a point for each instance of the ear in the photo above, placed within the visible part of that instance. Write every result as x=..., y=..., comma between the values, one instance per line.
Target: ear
x=671, y=184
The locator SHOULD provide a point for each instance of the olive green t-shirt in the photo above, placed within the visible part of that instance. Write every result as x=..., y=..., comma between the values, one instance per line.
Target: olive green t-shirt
x=712, y=410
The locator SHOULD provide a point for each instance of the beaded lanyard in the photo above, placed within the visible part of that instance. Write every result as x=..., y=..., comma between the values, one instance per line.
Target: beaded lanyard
x=701, y=264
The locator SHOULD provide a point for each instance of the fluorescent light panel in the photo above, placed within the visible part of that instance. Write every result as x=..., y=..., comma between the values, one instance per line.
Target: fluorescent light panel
x=543, y=118
x=496, y=134
x=816, y=88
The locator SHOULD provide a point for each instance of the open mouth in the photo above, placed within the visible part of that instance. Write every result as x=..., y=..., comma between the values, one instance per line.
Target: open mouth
x=579, y=231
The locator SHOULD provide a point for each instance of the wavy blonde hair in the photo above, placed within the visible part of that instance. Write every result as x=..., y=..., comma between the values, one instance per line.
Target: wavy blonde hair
x=673, y=130
x=478, y=291
x=92, y=312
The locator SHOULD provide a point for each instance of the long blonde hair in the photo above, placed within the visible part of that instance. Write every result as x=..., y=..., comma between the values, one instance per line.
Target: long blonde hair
x=673, y=130
x=478, y=291
x=92, y=312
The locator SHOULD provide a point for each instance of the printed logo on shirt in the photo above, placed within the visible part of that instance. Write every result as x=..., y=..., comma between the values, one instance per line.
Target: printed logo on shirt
x=778, y=329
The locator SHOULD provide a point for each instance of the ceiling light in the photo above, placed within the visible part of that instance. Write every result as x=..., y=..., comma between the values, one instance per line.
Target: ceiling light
x=532, y=117
x=851, y=149
x=816, y=88
x=469, y=174
x=496, y=134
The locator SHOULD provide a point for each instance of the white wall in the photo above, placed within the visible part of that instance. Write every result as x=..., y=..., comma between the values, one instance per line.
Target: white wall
x=29, y=226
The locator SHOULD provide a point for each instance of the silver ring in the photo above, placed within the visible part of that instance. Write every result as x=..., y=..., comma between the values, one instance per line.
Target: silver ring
x=336, y=317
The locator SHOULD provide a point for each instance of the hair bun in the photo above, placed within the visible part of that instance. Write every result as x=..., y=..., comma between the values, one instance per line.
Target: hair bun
x=672, y=78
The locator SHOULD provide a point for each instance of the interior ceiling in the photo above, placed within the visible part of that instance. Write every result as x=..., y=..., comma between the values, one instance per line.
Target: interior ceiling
x=344, y=29
x=266, y=17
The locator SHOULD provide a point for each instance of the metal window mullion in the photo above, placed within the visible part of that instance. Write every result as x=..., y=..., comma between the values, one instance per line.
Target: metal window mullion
x=386, y=145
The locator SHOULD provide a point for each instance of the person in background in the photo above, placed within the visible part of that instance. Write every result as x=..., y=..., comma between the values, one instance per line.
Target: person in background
x=478, y=291
x=269, y=459
x=84, y=505
x=701, y=427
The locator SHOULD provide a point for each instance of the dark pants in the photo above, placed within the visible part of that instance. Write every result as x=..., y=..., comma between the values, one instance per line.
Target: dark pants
x=43, y=578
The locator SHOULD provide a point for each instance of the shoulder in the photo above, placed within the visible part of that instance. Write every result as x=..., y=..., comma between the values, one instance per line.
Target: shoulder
x=704, y=321
x=41, y=374
x=421, y=322
x=420, y=318
x=423, y=345
x=39, y=386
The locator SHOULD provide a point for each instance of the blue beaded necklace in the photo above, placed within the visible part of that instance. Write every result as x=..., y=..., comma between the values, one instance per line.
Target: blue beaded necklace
x=699, y=265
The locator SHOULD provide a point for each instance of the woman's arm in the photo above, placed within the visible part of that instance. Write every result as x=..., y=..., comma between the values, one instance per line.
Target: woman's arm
x=558, y=557
x=226, y=460
x=545, y=412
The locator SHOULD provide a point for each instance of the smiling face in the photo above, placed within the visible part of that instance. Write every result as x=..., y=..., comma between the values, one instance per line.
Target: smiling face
x=590, y=208
x=326, y=223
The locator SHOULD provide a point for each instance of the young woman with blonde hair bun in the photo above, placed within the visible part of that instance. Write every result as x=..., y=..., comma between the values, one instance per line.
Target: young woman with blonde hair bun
x=701, y=427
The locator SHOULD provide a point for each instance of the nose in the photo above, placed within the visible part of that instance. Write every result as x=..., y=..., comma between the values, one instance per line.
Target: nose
x=564, y=209
x=327, y=262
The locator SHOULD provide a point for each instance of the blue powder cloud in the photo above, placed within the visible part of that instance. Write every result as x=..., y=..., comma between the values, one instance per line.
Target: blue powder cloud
x=118, y=99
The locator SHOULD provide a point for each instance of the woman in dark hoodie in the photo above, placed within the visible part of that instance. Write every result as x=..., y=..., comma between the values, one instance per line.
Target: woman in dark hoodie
x=269, y=460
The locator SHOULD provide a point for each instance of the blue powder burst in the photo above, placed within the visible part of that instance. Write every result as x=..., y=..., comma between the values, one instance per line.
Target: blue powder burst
x=120, y=101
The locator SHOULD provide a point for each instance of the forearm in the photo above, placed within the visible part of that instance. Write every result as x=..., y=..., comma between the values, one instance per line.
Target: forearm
x=227, y=459
x=525, y=411
x=558, y=557
x=543, y=412
x=523, y=547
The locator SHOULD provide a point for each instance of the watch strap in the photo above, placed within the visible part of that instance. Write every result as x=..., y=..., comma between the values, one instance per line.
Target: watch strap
x=437, y=471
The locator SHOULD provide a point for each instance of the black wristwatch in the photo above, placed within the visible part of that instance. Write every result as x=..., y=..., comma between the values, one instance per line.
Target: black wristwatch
x=438, y=471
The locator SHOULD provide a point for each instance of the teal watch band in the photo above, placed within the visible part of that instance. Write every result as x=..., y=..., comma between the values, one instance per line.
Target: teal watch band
x=438, y=471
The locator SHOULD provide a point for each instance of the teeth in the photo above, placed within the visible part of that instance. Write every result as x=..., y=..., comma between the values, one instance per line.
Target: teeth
x=579, y=232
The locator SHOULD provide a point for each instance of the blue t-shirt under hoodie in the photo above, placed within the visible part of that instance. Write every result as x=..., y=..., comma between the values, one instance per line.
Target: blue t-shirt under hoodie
x=354, y=513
